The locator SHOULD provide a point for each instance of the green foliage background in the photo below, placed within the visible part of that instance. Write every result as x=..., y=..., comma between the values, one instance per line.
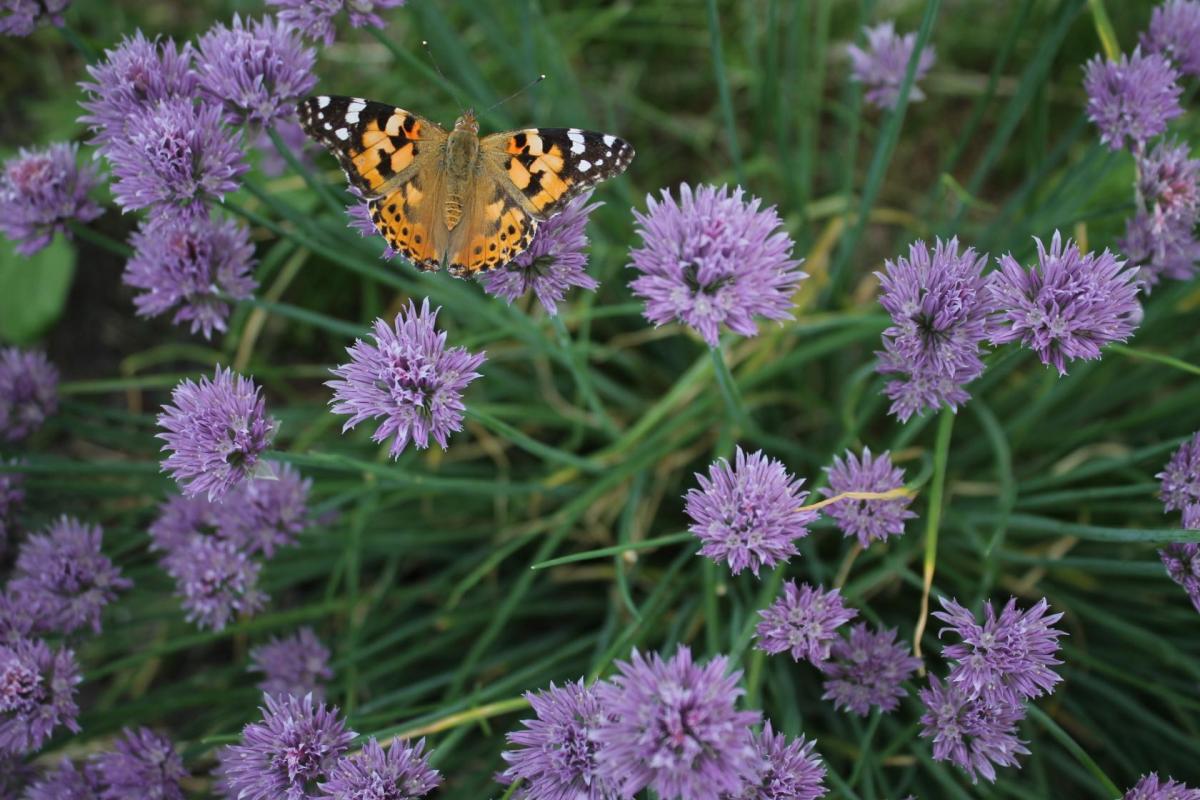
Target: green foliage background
x=584, y=437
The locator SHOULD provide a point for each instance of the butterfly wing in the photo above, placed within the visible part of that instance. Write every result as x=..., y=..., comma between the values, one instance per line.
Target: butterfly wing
x=391, y=157
x=547, y=167
x=379, y=146
x=495, y=228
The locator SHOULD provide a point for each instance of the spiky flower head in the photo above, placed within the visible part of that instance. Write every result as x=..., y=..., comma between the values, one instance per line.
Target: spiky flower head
x=1181, y=482
x=1006, y=659
x=215, y=433
x=28, y=392
x=142, y=764
x=66, y=781
x=1068, y=306
x=16, y=618
x=315, y=18
x=803, y=620
x=748, y=515
x=22, y=17
x=37, y=693
x=867, y=669
x=131, y=78
x=1174, y=33
x=262, y=515
x=296, y=665
x=868, y=520
x=215, y=581
x=193, y=264
x=401, y=772
x=975, y=734
x=938, y=304
x=554, y=755
x=256, y=69
x=787, y=770
x=41, y=191
x=407, y=377
x=1132, y=98
x=284, y=756
x=673, y=726
x=1168, y=182
x=64, y=576
x=1152, y=787
x=1160, y=248
x=175, y=154
x=1182, y=561
x=555, y=261
x=713, y=259
x=881, y=67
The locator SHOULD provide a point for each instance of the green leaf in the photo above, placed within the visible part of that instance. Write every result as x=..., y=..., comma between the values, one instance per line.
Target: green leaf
x=33, y=290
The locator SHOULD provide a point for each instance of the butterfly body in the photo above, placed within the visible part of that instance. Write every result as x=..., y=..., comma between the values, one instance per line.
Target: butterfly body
x=451, y=198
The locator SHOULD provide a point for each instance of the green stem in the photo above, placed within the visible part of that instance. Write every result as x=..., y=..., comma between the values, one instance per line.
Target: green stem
x=616, y=550
x=712, y=622
x=579, y=371
x=78, y=42
x=531, y=445
x=101, y=240
x=338, y=209
x=937, y=489
x=718, y=57
x=1146, y=355
x=729, y=391
x=1064, y=738
x=864, y=748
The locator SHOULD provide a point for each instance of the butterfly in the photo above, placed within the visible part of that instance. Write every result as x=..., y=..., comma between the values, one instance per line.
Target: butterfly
x=450, y=198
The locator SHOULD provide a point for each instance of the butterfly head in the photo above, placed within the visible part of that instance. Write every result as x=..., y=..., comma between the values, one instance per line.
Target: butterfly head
x=467, y=122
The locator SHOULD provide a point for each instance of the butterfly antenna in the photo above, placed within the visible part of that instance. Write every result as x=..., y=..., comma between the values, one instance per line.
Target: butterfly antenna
x=446, y=84
x=524, y=88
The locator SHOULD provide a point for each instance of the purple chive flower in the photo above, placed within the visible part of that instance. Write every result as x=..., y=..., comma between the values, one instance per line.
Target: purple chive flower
x=37, y=694
x=180, y=519
x=28, y=392
x=867, y=669
x=555, y=261
x=40, y=192
x=1182, y=561
x=1160, y=248
x=975, y=734
x=257, y=69
x=938, y=304
x=65, y=577
x=186, y=262
x=1068, y=306
x=1167, y=180
x=1132, y=98
x=787, y=770
x=401, y=772
x=1174, y=33
x=1006, y=659
x=297, y=665
x=15, y=774
x=748, y=515
x=1181, y=482
x=12, y=496
x=882, y=65
x=1152, y=787
x=176, y=153
x=408, y=377
x=713, y=259
x=22, y=17
x=16, y=619
x=869, y=520
x=673, y=726
x=804, y=621
x=314, y=18
x=143, y=765
x=64, y=782
x=133, y=77
x=555, y=754
x=263, y=514
x=215, y=581
x=283, y=757
x=215, y=432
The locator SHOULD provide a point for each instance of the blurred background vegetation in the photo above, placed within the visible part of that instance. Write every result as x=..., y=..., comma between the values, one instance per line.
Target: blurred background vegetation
x=419, y=576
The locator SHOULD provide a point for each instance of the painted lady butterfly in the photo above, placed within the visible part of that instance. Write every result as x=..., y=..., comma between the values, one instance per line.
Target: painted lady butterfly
x=453, y=198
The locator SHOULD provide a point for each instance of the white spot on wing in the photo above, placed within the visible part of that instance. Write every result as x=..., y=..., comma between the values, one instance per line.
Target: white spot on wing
x=322, y=101
x=576, y=140
x=584, y=166
x=352, y=117
x=609, y=140
x=342, y=134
